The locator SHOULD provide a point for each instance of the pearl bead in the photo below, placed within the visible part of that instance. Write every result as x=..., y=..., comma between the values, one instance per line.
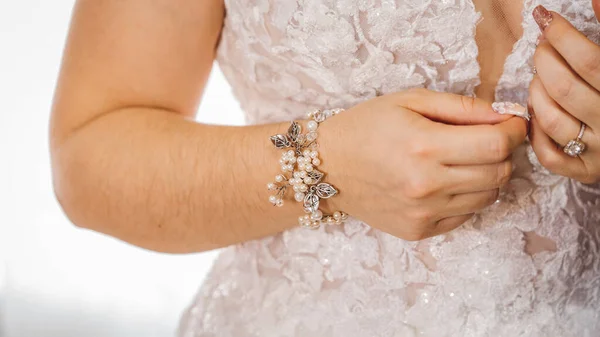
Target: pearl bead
x=303, y=188
x=315, y=224
x=273, y=199
x=279, y=178
x=296, y=188
x=279, y=203
x=290, y=153
x=337, y=216
x=308, y=168
x=330, y=221
x=306, y=153
x=301, y=167
x=316, y=162
x=301, y=219
x=302, y=174
x=312, y=125
x=314, y=154
x=297, y=174
x=292, y=160
x=318, y=215
x=308, y=180
x=290, y=168
x=271, y=186
x=299, y=196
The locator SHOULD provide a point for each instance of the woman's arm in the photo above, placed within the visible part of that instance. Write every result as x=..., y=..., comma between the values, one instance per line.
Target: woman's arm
x=127, y=158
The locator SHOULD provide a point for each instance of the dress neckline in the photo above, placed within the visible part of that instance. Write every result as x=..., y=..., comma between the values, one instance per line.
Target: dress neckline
x=509, y=60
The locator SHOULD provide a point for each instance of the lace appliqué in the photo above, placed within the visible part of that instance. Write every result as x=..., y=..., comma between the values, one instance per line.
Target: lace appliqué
x=284, y=58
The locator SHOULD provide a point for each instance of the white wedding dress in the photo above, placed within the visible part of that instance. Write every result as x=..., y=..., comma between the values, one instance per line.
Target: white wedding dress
x=285, y=57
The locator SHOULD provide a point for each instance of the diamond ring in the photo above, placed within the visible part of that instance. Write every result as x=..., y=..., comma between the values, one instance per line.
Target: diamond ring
x=576, y=147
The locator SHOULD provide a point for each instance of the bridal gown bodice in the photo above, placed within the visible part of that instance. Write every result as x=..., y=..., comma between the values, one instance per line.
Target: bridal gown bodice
x=284, y=58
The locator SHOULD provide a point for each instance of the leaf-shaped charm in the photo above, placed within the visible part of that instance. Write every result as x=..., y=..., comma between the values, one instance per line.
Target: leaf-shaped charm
x=324, y=190
x=315, y=175
x=280, y=141
x=311, y=202
x=294, y=131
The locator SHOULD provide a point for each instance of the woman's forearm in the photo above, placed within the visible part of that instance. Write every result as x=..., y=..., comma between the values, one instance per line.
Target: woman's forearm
x=159, y=181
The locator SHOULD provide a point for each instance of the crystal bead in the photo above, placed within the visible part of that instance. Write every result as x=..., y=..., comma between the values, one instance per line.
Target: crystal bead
x=311, y=136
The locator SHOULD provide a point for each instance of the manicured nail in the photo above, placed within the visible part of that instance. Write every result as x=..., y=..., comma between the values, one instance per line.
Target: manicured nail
x=542, y=17
x=509, y=108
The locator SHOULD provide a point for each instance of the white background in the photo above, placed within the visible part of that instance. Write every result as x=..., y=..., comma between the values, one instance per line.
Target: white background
x=57, y=280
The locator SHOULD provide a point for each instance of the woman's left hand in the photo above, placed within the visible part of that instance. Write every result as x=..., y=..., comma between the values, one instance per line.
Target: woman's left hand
x=564, y=93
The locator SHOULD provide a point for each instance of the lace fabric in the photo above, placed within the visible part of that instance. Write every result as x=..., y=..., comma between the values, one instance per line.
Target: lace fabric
x=527, y=266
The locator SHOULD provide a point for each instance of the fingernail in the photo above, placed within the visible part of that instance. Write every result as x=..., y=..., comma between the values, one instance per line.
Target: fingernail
x=542, y=17
x=509, y=108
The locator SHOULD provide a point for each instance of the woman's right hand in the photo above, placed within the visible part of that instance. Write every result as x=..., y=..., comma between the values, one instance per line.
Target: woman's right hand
x=418, y=163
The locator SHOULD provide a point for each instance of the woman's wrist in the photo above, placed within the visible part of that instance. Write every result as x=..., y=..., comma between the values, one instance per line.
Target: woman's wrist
x=301, y=173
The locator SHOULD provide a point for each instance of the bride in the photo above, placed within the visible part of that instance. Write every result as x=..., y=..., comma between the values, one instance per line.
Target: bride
x=438, y=214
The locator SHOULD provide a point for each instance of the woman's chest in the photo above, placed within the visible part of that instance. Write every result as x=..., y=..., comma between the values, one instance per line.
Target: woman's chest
x=341, y=52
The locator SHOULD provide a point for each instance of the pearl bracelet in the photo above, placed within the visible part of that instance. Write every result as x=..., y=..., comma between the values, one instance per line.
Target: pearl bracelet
x=301, y=161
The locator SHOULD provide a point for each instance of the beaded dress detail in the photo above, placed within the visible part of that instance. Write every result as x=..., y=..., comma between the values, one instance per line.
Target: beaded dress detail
x=284, y=58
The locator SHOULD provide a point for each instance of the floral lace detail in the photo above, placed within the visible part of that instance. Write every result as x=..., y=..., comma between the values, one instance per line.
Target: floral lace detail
x=286, y=57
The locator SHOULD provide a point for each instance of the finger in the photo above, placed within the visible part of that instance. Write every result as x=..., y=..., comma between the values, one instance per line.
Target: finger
x=478, y=144
x=567, y=88
x=449, y=108
x=552, y=157
x=551, y=117
x=467, y=203
x=579, y=52
x=448, y=224
x=596, y=6
x=469, y=179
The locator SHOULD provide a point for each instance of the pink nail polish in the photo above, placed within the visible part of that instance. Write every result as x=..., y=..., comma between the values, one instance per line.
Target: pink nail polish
x=542, y=17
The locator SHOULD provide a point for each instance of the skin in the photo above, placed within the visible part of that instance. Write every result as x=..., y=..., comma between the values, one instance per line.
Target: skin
x=565, y=91
x=129, y=161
